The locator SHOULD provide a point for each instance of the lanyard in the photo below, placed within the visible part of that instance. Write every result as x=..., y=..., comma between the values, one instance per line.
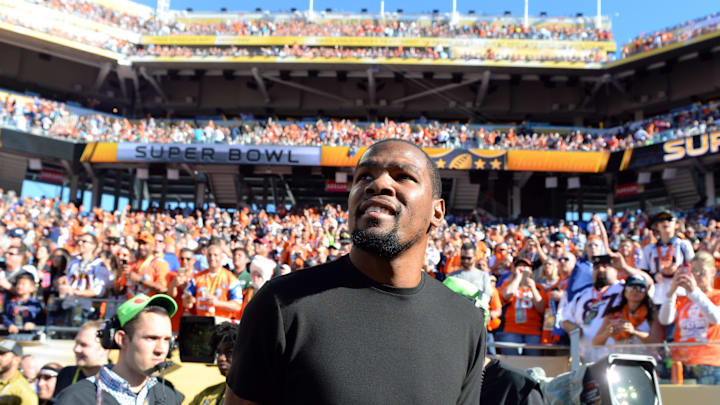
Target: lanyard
x=77, y=374
x=215, y=281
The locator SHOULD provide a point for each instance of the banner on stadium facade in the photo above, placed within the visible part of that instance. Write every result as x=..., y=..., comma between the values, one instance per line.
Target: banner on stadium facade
x=625, y=190
x=444, y=158
x=336, y=187
x=370, y=42
x=557, y=161
x=201, y=153
x=669, y=151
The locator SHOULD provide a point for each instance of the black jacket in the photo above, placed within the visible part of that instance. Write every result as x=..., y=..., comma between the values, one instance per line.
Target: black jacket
x=84, y=392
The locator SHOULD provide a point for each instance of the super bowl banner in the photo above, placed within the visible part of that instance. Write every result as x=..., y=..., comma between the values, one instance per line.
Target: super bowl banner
x=201, y=153
x=669, y=151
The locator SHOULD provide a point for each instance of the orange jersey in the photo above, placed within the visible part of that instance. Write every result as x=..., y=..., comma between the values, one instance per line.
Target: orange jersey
x=175, y=320
x=495, y=304
x=691, y=325
x=224, y=286
x=521, y=316
x=152, y=268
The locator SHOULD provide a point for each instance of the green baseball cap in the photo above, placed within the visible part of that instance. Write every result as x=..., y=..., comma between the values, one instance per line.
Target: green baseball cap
x=130, y=308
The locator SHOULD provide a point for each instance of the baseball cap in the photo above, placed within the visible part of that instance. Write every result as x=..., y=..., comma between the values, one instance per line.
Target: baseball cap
x=663, y=216
x=635, y=280
x=16, y=233
x=558, y=237
x=130, y=308
x=146, y=237
x=522, y=260
x=8, y=345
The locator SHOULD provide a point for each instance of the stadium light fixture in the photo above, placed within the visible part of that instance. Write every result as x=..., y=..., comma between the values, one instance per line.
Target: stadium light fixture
x=173, y=174
x=142, y=173
x=35, y=164
x=551, y=182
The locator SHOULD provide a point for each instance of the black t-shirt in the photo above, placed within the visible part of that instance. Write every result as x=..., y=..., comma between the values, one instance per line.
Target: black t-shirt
x=503, y=384
x=331, y=335
x=66, y=377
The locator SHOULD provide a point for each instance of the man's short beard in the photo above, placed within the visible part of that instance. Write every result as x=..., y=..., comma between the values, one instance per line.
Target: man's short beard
x=386, y=245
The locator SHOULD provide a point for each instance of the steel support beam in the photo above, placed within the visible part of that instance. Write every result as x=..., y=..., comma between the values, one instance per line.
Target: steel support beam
x=261, y=85
x=371, y=87
x=153, y=83
x=102, y=75
x=436, y=90
x=307, y=89
x=482, y=90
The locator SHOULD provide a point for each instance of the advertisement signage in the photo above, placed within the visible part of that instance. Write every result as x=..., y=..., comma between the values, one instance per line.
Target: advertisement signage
x=202, y=153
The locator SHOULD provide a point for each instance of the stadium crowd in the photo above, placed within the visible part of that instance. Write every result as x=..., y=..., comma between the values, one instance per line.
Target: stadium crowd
x=619, y=280
x=52, y=118
x=300, y=25
x=668, y=36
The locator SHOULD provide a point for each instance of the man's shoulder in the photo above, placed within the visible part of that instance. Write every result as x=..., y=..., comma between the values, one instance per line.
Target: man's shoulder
x=75, y=393
x=211, y=390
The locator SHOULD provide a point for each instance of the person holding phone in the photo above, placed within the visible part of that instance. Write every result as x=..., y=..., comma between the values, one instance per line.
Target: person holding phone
x=525, y=304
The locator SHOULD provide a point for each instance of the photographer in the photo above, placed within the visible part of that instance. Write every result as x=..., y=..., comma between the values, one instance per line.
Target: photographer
x=143, y=337
x=222, y=342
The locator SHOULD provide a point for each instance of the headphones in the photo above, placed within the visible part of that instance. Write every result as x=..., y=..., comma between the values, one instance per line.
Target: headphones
x=106, y=334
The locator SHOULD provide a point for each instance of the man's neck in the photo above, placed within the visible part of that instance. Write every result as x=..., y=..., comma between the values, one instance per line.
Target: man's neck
x=90, y=371
x=665, y=238
x=403, y=271
x=87, y=257
x=9, y=373
x=23, y=298
x=134, y=379
x=213, y=271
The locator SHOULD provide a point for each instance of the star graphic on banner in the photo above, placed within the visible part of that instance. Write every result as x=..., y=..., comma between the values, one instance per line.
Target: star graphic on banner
x=496, y=164
x=441, y=164
x=480, y=164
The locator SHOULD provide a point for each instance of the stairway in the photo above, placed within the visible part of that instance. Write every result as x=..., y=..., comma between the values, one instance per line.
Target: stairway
x=464, y=194
x=682, y=189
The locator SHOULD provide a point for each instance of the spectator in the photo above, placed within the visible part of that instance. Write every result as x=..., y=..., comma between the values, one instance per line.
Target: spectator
x=585, y=310
x=222, y=342
x=634, y=320
x=23, y=312
x=87, y=278
x=697, y=319
x=525, y=307
x=13, y=386
x=663, y=258
x=178, y=282
x=14, y=263
x=149, y=273
x=215, y=291
x=163, y=252
x=241, y=265
x=46, y=380
x=469, y=272
x=89, y=357
x=29, y=367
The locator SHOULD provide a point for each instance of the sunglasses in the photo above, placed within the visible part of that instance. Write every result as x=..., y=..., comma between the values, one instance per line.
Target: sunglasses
x=637, y=288
x=564, y=259
x=466, y=257
x=45, y=376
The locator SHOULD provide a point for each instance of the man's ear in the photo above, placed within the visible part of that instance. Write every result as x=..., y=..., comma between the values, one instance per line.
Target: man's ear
x=438, y=213
x=121, y=338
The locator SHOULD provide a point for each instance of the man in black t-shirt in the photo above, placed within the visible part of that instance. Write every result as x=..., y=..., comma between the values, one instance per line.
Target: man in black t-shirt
x=364, y=329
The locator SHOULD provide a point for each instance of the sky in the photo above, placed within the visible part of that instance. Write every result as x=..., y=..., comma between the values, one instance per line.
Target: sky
x=629, y=17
